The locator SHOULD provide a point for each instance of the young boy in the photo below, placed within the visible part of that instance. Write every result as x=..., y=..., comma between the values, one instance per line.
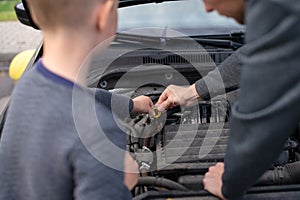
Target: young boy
x=42, y=155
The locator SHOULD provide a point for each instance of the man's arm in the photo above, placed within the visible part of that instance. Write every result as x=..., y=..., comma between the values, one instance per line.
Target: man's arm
x=268, y=109
x=224, y=78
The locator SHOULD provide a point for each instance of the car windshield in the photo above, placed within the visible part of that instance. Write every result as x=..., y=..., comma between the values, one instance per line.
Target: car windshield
x=188, y=17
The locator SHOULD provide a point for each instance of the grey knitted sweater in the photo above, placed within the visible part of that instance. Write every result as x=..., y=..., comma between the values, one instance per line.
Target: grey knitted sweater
x=48, y=148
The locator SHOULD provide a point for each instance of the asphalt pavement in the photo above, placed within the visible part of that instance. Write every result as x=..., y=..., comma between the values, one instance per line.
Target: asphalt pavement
x=14, y=38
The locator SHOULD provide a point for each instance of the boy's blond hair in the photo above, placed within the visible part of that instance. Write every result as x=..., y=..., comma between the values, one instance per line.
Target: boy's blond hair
x=51, y=14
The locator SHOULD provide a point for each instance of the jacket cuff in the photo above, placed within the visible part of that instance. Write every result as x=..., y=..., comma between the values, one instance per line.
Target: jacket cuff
x=202, y=89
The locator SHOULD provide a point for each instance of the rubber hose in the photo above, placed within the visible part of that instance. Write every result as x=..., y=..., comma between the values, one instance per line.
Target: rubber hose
x=160, y=182
x=293, y=169
x=288, y=174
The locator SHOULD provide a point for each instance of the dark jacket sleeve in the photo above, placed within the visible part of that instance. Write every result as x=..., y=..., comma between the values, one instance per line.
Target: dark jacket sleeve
x=268, y=109
x=224, y=78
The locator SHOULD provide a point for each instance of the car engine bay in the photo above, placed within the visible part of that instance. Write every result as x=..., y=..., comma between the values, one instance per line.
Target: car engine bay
x=175, y=148
x=178, y=154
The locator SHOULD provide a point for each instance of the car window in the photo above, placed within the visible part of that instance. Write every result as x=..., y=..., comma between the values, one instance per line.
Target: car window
x=188, y=17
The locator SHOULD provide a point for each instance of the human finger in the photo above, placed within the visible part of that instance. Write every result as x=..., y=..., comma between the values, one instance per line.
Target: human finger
x=163, y=97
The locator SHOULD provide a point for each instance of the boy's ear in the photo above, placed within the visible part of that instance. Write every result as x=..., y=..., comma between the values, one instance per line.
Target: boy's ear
x=104, y=12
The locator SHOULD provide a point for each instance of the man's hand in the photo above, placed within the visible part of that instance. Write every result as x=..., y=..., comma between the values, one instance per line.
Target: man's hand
x=131, y=172
x=142, y=104
x=213, y=180
x=174, y=96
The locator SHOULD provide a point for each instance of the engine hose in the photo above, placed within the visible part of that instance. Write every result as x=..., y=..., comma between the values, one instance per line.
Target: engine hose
x=293, y=169
x=160, y=182
x=288, y=174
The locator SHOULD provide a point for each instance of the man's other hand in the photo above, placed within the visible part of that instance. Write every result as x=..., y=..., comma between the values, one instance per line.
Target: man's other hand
x=213, y=180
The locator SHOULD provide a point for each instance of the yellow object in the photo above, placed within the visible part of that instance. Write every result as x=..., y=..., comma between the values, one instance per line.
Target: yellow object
x=19, y=64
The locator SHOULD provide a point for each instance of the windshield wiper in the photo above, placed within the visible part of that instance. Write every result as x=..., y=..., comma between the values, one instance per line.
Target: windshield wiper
x=159, y=40
x=219, y=43
x=238, y=37
x=126, y=3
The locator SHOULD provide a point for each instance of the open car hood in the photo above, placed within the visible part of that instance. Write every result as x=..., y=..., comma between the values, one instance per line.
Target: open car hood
x=24, y=16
